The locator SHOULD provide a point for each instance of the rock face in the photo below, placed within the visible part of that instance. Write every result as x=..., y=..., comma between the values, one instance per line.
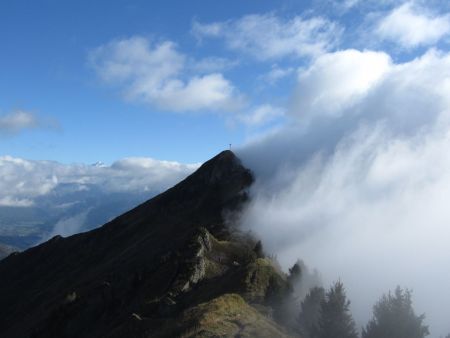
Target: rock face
x=193, y=269
x=161, y=265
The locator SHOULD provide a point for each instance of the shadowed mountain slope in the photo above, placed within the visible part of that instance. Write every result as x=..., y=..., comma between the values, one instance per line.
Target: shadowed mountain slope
x=138, y=273
x=5, y=250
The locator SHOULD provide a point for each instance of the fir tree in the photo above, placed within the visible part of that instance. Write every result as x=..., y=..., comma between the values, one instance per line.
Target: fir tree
x=310, y=311
x=258, y=250
x=335, y=318
x=394, y=317
x=296, y=270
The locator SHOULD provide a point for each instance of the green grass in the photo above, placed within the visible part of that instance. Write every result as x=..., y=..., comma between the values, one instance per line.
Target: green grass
x=226, y=316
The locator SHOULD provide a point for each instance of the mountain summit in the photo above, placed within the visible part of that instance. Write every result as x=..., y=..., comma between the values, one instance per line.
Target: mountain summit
x=170, y=267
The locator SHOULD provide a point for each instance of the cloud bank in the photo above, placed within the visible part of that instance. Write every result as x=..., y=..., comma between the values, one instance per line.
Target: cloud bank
x=356, y=184
x=40, y=199
x=23, y=182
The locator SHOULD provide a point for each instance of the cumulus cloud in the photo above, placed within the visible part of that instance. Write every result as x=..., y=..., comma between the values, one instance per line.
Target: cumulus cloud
x=17, y=121
x=22, y=182
x=359, y=188
x=267, y=36
x=156, y=73
x=411, y=25
x=355, y=71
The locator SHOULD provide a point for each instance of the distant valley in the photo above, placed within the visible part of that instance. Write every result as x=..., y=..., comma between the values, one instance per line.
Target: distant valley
x=41, y=199
x=22, y=227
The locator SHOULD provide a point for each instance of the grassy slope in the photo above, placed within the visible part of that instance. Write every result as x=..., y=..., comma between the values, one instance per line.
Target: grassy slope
x=226, y=316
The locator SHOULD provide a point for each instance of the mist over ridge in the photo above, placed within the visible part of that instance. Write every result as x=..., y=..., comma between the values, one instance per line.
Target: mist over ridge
x=356, y=183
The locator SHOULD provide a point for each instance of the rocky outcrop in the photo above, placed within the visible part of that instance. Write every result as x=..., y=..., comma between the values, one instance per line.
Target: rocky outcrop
x=193, y=265
x=192, y=269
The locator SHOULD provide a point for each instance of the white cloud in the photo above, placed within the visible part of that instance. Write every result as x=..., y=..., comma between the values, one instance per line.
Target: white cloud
x=23, y=181
x=341, y=6
x=65, y=199
x=268, y=36
x=8, y=201
x=147, y=174
x=212, y=64
x=355, y=73
x=276, y=73
x=70, y=225
x=261, y=115
x=410, y=25
x=17, y=121
x=360, y=191
x=155, y=73
x=350, y=3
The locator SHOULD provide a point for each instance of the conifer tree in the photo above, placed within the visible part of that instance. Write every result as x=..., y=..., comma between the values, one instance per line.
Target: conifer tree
x=394, y=317
x=335, y=319
x=310, y=311
x=296, y=270
x=258, y=250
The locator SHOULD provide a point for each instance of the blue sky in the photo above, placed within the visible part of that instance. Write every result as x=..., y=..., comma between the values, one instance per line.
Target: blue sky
x=79, y=114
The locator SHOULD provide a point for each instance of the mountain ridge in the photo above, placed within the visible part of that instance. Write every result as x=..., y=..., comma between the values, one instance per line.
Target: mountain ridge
x=159, y=259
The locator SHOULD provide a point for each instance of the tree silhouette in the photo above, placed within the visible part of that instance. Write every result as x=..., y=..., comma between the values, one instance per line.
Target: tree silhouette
x=310, y=312
x=335, y=320
x=258, y=250
x=296, y=270
x=394, y=317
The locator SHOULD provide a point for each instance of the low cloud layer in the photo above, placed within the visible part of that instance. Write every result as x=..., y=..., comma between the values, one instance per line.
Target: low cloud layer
x=41, y=199
x=22, y=181
x=357, y=183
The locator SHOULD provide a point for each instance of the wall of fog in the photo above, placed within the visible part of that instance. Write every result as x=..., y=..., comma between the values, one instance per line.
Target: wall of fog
x=357, y=182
